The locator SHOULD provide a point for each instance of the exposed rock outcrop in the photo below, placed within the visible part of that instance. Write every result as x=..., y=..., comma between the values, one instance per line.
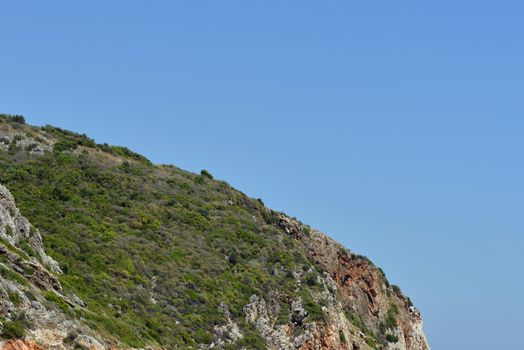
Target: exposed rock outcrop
x=362, y=310
x=228, y=333
x=15, y=229
x=364, y=301
x=20, y=345
x=35, y=143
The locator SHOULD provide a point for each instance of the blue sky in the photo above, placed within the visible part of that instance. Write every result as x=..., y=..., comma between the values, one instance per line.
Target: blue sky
x=395, y=127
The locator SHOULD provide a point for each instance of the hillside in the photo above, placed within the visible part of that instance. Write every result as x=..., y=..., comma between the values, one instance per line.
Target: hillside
x=100, y=249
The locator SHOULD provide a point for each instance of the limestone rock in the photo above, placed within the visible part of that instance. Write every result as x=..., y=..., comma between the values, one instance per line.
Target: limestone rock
x=15, y=229
x=19, y=345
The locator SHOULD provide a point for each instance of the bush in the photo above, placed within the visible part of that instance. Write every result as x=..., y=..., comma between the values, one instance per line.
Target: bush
x=313, y=309
x=14, y=276
x=123, y=152
x=16, y=118
x=205, y=173
x=342, y=337
x=372, y=340
x=391, y=321
x=203, y=337
x=396, y=289
x=27, y=248
x=65, y=145
x=391, y=338
x=55, y=298
x=252, y=340
x=311, y=279
x=386, y=282
x=15, y=298
x=15, y=328
x=354, y=319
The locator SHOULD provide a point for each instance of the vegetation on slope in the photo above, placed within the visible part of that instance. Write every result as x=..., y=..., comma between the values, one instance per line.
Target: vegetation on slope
x=152, y=250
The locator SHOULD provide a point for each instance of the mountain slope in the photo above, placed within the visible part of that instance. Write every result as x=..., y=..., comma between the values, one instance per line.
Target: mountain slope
x=151, y=255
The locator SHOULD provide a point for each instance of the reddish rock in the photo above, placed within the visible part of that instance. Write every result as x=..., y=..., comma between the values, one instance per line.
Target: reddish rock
x=20, y=344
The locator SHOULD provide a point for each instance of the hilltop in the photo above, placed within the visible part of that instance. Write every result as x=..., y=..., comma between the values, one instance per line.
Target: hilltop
x=100, y=248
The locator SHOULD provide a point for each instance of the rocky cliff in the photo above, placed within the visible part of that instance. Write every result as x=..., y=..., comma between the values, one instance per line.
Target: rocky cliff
x=362, y=303
x=133, y=255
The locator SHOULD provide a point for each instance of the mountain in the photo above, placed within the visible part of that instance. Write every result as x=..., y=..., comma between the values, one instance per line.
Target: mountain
x=101, y=249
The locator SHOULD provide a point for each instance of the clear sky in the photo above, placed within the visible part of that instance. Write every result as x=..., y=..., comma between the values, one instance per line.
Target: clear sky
x=397, y=127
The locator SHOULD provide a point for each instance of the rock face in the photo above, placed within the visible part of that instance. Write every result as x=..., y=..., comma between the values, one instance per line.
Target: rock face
x=15, y=229
x=366, y=311
x=20, y=345
x=36, y=144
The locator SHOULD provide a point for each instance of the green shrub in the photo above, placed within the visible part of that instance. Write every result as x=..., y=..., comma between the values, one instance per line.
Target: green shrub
x=410, y=303
x=313, y=309
x=385, y=279
x=203, y=337
x=283, y=315
x=311, y=279
x=195, y=219
x=14, y=249
x=13, y=276
x=372, y=341
x=354, y=319
x=342, y=337
x=31, y=147
x=391, y=321
x=15, y=298
x=13, y=148
x=18, y=119
x=15, y=328
x=253, y=340
x=396, y=289
x=15, y=118
x=65, y=145
x=71, y=337
x=124, y=152
x=55, y=298
x=391, y=338
x=206, y=174
x=27, y=248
